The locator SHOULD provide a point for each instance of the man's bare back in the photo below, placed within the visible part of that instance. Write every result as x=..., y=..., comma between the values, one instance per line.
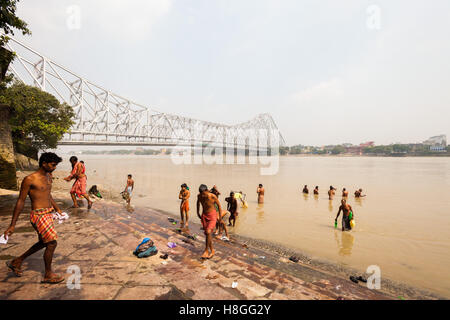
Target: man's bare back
x=130, y=183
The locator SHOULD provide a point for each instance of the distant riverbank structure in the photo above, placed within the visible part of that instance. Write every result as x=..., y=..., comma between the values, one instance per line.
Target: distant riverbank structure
x=437, y=143
x=105, y=118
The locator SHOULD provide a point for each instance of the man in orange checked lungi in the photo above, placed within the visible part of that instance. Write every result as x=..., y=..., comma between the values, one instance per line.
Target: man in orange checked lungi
x=38, y=186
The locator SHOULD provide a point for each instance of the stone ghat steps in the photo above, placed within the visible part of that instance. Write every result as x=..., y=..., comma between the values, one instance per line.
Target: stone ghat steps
x=258, y=273
x=99, y=243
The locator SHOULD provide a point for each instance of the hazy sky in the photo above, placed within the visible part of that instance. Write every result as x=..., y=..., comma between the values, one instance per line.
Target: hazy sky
x=327, y=71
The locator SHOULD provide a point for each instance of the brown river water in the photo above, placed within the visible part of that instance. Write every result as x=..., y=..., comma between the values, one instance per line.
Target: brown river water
x=402, y=226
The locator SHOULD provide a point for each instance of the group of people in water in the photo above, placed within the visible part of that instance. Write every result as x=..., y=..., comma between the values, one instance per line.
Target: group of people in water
x=332, y=192
x=347, y=210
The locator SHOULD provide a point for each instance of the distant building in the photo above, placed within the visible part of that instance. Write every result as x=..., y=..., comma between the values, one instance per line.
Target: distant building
x=359, y=149
x=436, y=140
x=437, y=143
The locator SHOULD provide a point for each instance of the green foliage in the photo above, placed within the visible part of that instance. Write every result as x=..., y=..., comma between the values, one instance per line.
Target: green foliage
x=338, y=150
x=284, y=150
x=9, y=21
x=296, y=149
x=38, y=119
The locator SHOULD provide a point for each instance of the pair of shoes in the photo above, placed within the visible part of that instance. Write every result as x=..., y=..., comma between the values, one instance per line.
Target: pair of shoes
x=360, y=278
x=294, y=259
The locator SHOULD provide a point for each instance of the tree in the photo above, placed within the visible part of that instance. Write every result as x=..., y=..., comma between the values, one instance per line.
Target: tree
x=38, y=119
x=8, y=22
x=338, y=150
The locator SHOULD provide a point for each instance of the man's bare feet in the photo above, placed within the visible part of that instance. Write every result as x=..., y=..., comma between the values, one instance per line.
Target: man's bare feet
x=90, y=204
x=14, y=267
x=205, y=255
x=212, y=254
x=53, y=278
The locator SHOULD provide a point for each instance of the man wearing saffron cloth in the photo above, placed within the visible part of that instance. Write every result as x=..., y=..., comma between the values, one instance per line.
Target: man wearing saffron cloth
x=79, y=186
x=38, y=187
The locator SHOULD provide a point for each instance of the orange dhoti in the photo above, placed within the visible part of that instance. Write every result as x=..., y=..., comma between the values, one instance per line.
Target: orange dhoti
x=185, y=206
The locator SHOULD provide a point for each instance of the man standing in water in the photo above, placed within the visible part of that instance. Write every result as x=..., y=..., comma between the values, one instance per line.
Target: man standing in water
x=208, y=217
x=129, y=188
x=260, y=192
x=346, y=211
x=331, y=193
x=232, y=207
x=305, y=189
x=358, y=193
x=184, y=205
x=38, y=187
x=344, y=193
x=316, y=190
x=79, y=186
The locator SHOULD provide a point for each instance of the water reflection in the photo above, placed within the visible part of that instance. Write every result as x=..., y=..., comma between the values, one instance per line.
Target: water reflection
x=345, y=245
x=305, y=196
x=358, y=201
x=330, y=205
x=260, y=213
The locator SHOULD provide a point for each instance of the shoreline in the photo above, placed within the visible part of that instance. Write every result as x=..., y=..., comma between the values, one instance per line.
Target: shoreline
x=268, y=253
x=392, y=287
x=389, y=286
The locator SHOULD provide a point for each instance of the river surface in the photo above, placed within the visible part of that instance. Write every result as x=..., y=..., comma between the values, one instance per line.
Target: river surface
x=402, y=225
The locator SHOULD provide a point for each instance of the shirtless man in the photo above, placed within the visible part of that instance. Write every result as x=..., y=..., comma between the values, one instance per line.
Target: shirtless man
x=129, y=188
x=316, y=190
x=358, y=194
x=222, y=225
x=232, y=207
x=346, y=209
x=305, y=189
x=208, y=217
x=184, y=205
x=344, y=193
x=260, y=192
x=331, y=193
x=38, y=187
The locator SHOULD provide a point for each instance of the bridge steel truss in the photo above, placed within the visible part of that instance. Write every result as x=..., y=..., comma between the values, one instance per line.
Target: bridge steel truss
x=105, y=118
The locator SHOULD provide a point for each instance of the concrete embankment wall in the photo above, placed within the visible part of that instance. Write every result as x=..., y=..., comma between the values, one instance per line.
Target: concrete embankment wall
x=7, y=159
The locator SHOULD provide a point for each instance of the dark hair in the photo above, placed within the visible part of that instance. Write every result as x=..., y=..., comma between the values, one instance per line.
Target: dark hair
x=184, y=185
x=82, y=161
x=344, y=189
x=48, y=157
x=317, y=187
x=73, y=158
x=231, y=193
x=202, y=188
x=130, y=175
x=260, y=185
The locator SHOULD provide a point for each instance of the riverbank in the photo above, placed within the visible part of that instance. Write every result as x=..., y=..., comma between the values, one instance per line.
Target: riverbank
x=100, y=243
